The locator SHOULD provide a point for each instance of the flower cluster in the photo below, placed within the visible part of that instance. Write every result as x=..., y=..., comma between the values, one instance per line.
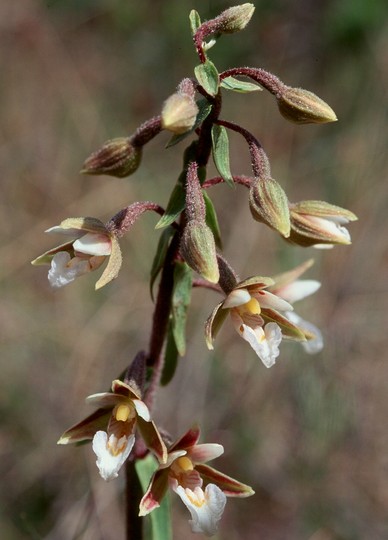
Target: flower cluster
x=189, y=254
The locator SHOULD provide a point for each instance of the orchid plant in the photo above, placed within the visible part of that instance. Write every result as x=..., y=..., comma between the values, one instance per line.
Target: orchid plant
x=189, y=254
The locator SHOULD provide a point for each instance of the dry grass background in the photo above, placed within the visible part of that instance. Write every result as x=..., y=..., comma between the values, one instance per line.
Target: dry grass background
x=310, y=435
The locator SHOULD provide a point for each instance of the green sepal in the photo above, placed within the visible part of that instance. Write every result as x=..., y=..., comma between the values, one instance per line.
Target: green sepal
x=204, y=108
x=170, y=358
x=212, y=220
x=230, y=83
x=195, y=21
x=158, y=522
x=161, y=250
x=220, y=149
x=207, y=76
x=175, y=206
x=181, y=296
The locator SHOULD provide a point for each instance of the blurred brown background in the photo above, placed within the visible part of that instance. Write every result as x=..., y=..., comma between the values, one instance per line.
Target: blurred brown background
x=310, y=434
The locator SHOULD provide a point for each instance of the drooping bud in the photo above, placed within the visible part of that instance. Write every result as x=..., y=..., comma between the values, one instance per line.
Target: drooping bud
x=303, y=107
x=199, y=250
x=318, y=222
x=179, y=113
x=118, y=157
x=269, y=204
x=235, y=18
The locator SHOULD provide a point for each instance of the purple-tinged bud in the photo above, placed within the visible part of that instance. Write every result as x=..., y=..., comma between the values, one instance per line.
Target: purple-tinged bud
x=316, y=223
x=198, y=248
x=303, y=107
x=235, y=18
x=269, y=204
x=117, y=157
x=179, y=113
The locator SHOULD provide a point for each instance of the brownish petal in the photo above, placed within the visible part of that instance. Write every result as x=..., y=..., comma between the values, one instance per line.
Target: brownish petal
x=86, y=429
x=189, y=439
x=113, y=267
x=87, y=224
x=214, y=323
x=288, y=329
x=230, y=486
x=120, y=387
x=46, y=257
x=152, y=439
x=155, y=492
x=281, y=280
x=255, y=282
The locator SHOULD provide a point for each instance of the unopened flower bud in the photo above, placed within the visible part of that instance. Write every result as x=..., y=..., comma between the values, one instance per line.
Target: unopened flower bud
x=199, y=250
x=269, y=204
x=303, y=107
x=315, y=223
x=117, y=157
x=179, y=113
x=235, y=18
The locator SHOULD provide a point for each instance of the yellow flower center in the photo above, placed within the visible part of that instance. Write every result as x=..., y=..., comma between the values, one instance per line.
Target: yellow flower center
x=253, y=306
x=185, y=463
x=122, y=412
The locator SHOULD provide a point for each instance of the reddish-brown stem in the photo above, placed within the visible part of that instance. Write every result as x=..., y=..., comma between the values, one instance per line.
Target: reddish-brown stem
x=163, y=305
x=205, y=138
x=245, y=181
x=270, y=82
x=147, y=131
x=260, y=162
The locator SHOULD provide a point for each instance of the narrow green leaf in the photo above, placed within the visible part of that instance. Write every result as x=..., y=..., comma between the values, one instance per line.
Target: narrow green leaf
x=204, y=108
x=195, y=21
x=158, y=522
x=221, y=153
x=170, y=359
x=230, y=83
x=212, y=220
x=207, y=76
x=175, y=206
x=160, y=255
x=180, y=302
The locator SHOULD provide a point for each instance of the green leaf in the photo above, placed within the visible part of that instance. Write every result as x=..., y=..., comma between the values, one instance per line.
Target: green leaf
x=170, y=359
x=207, y=76
x=158, y=522
x=195, y=21
x=181, y=296
x=211, y=219
x=230, y=83
x=160, y=255
x=175, y=206
x=221, y=153
x=204, y=108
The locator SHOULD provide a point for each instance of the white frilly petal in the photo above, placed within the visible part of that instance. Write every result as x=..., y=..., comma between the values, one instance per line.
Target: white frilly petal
x=93, y=244
x=206, y=507
x=64, y=269
x=265, y=342
x=109, y=463
x=311, y=346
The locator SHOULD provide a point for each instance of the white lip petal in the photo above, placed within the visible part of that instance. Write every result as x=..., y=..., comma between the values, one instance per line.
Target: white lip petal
x=265, y=342
x=108, y=462
x=206, y=507
x=64, y=269
x=93, y=244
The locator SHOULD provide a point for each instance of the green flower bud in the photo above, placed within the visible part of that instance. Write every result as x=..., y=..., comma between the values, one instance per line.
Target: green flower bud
x=179, y=113
x=319, y=223
x=235, y=18
x=303, y=107
x=269, y=204
x=117, y=157
x=199, y=250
